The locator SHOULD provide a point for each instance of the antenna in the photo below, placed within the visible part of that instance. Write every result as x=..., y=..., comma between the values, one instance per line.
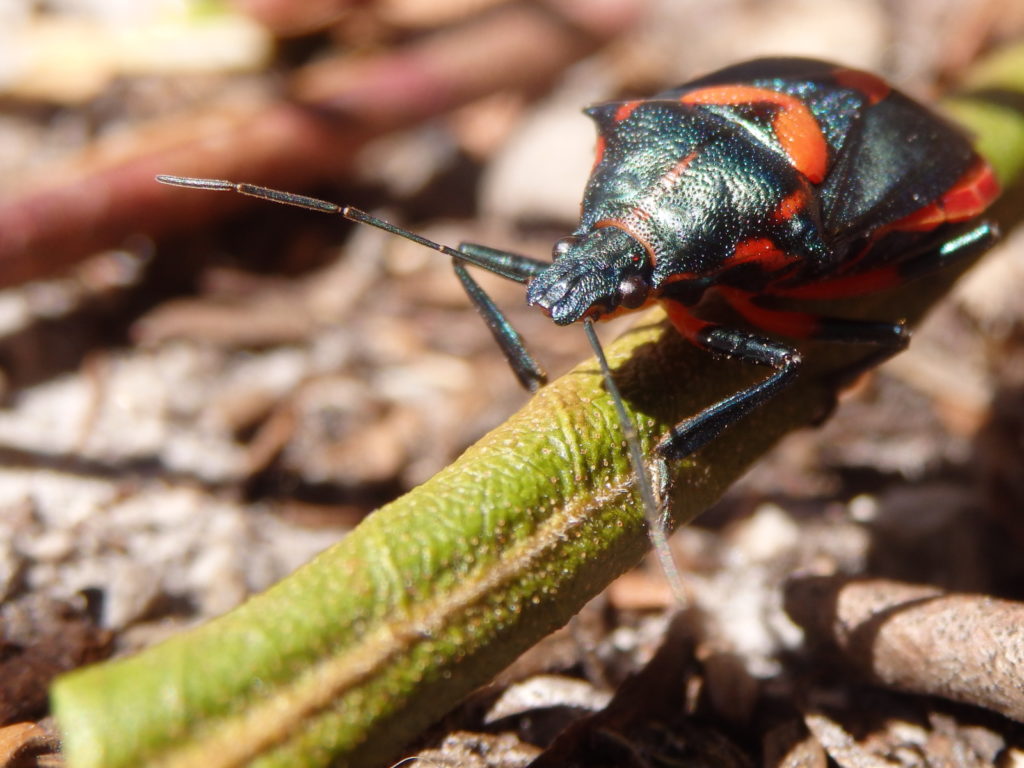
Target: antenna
x=655, y=526
x=320, y=206
x=513, y=267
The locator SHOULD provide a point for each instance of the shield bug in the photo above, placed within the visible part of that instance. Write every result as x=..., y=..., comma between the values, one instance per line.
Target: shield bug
x=767, y=183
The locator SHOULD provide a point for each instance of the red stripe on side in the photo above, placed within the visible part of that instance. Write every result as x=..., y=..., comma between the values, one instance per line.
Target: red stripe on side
x=871, y=86
x=679, y=277
x=798, y=325
x=794, y=125
x=971, y=195
x=689, y=326
x=599, y=151
x=844, y=287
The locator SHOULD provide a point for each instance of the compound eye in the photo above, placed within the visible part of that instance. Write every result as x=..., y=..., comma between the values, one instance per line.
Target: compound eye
x=633, y=292
x=563, y=246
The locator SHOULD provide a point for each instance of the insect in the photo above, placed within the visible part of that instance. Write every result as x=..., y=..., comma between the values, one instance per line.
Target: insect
x=766, y=183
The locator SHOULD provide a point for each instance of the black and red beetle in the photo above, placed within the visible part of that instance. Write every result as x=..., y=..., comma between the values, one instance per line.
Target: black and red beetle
x=770, y=181
x=766, y=183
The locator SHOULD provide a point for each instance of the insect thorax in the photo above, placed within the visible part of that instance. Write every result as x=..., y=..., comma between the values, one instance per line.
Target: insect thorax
x=701, y=195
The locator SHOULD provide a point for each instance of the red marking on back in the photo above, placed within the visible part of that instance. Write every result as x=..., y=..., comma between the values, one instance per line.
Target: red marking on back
x=971, y=195
x=668, y=180
x=634, y=221
x=790, y=206
x=599, y=150
x=762, y=251
x=799, y=325
x=794, y=125
x=871, y=86
x=625, y=110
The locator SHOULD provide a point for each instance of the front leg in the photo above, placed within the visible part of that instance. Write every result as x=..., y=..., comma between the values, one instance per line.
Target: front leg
x=694, y=433
x=529, y=373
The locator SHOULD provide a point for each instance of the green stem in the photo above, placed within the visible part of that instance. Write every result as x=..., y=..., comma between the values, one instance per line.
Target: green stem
x=354, y=654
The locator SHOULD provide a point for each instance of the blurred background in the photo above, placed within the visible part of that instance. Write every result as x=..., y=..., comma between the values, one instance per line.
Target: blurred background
x=202, y=391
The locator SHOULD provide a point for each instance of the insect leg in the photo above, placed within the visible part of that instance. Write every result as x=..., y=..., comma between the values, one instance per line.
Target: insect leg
x=512, y=266
x=509, y=265
x=887, y=338
x=525, y=368
x=963, y=245
x=694, y=433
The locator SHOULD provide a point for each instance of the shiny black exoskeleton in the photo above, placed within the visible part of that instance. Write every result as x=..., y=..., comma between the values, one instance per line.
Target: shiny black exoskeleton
x=767, y=183
x=764, y=176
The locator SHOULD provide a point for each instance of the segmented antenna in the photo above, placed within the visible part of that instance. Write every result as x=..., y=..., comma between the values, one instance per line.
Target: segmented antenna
x=655, y=526
x=513, y=267
x=311, y=204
